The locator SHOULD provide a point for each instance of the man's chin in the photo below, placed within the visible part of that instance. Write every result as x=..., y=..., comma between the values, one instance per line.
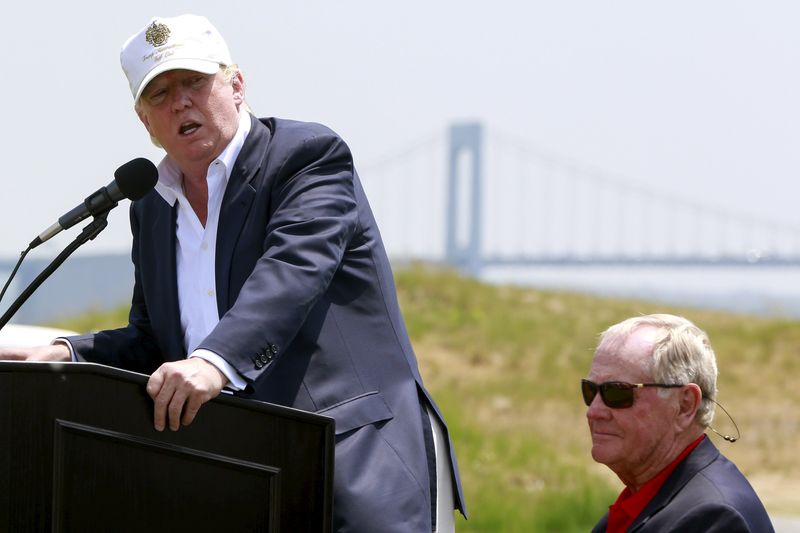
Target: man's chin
x=604, y=452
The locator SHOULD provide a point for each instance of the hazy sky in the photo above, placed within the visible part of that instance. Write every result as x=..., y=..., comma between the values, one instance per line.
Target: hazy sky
x=698, y=98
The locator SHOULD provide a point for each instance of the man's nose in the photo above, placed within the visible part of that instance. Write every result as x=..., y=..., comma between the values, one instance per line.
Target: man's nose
x=597, y=409
x=180, y=98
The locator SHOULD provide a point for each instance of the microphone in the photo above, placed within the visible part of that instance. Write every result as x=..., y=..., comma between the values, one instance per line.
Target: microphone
x=132, y=180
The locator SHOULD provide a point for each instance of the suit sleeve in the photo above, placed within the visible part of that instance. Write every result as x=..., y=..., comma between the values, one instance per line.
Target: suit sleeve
x=313, y=218
x=131, y=347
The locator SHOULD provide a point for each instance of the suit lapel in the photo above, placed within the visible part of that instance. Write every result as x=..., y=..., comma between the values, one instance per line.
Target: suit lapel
x=164, y=244
x=236, y=203
x=699, y=458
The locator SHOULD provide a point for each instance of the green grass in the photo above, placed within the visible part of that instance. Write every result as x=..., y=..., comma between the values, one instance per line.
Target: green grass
x=504, y=363
x=95, y=320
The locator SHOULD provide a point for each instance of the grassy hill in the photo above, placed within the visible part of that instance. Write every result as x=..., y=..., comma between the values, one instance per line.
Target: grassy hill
x=504, y=365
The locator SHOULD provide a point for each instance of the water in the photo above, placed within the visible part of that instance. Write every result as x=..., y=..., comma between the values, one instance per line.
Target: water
x=766, y=291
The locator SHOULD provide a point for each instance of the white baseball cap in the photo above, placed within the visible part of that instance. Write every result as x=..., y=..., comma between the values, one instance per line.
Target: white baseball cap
x=188, y=42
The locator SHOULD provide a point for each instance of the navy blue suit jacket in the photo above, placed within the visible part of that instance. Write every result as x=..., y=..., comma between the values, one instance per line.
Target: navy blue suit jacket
x=705, y=493
x=308, y=307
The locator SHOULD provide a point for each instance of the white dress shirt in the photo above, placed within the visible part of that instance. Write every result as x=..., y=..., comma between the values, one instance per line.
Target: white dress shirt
x=196, y=250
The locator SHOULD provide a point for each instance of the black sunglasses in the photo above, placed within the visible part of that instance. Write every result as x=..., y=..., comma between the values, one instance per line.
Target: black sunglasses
x=616, y=394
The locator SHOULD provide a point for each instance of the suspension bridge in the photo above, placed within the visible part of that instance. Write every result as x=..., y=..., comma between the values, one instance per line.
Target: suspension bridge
x=481, y=201
x=476, y=198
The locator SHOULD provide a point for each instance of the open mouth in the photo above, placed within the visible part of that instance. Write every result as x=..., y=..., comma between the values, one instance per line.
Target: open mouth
x=188, y=128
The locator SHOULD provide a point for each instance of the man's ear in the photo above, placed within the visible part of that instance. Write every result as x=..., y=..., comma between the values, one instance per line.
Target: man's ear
x=689, y=398
x=237, y=82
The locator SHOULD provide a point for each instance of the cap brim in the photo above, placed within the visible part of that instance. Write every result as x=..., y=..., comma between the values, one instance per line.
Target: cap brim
x=197, y=65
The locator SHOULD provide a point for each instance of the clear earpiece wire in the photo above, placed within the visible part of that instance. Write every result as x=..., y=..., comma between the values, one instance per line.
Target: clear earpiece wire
x=726, y=437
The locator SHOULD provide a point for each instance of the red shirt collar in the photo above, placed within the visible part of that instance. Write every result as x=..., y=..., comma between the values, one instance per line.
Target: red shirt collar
x=629, y=505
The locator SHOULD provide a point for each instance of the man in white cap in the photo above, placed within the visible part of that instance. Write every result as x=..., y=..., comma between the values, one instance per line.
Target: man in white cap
x=259, y=267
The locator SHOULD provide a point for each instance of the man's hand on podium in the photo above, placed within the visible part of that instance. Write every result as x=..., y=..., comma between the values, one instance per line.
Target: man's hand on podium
x=179, y=388
x=50, y=352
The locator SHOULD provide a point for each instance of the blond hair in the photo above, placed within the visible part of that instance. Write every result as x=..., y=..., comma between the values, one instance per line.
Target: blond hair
x=228, y=73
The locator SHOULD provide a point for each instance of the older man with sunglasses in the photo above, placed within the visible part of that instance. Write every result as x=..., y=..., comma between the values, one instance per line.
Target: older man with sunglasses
x=650, y=395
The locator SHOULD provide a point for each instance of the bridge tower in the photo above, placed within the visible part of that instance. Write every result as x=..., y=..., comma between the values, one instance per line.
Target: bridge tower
x=464, y=202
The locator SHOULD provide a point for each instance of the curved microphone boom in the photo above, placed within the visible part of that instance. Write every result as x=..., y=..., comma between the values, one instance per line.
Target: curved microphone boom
x=132, y=180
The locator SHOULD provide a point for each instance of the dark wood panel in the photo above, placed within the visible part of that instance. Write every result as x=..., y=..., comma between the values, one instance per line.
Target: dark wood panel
x=77, y=449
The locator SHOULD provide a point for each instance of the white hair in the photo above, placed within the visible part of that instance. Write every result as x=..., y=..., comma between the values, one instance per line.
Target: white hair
x=681, y=354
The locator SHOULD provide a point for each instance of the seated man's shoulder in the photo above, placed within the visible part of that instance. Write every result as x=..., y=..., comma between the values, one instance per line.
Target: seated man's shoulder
x=721, y=496
x=727, y=480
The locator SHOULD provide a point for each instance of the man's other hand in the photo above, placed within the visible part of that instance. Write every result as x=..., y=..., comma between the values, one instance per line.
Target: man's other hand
x=50, y=352
x=179, y=388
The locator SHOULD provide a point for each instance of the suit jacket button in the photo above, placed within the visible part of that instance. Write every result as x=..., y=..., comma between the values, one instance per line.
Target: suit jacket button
x=263, y=358
x=273, y=348
x=259, y=364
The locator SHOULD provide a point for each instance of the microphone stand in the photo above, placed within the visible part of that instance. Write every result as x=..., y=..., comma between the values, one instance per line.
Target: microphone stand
x=92, y=230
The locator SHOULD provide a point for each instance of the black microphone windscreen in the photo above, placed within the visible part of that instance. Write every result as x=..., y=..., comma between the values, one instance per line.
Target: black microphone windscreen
x=136, y=177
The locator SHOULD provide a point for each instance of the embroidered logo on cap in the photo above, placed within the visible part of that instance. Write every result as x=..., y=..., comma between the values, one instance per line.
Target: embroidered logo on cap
x=157, y=34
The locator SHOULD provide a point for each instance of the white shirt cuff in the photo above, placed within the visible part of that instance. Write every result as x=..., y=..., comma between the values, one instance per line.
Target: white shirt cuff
x=235, y=380
x=76, y=358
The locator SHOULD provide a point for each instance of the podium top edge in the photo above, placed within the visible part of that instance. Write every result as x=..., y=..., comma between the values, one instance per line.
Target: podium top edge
x=72, y=368
x=46, y=367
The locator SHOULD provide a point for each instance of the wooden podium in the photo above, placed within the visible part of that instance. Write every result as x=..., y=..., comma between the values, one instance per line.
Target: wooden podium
x=78, y=452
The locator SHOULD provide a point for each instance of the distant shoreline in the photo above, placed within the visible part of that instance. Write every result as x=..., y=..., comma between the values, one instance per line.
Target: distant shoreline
x=768, y=292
